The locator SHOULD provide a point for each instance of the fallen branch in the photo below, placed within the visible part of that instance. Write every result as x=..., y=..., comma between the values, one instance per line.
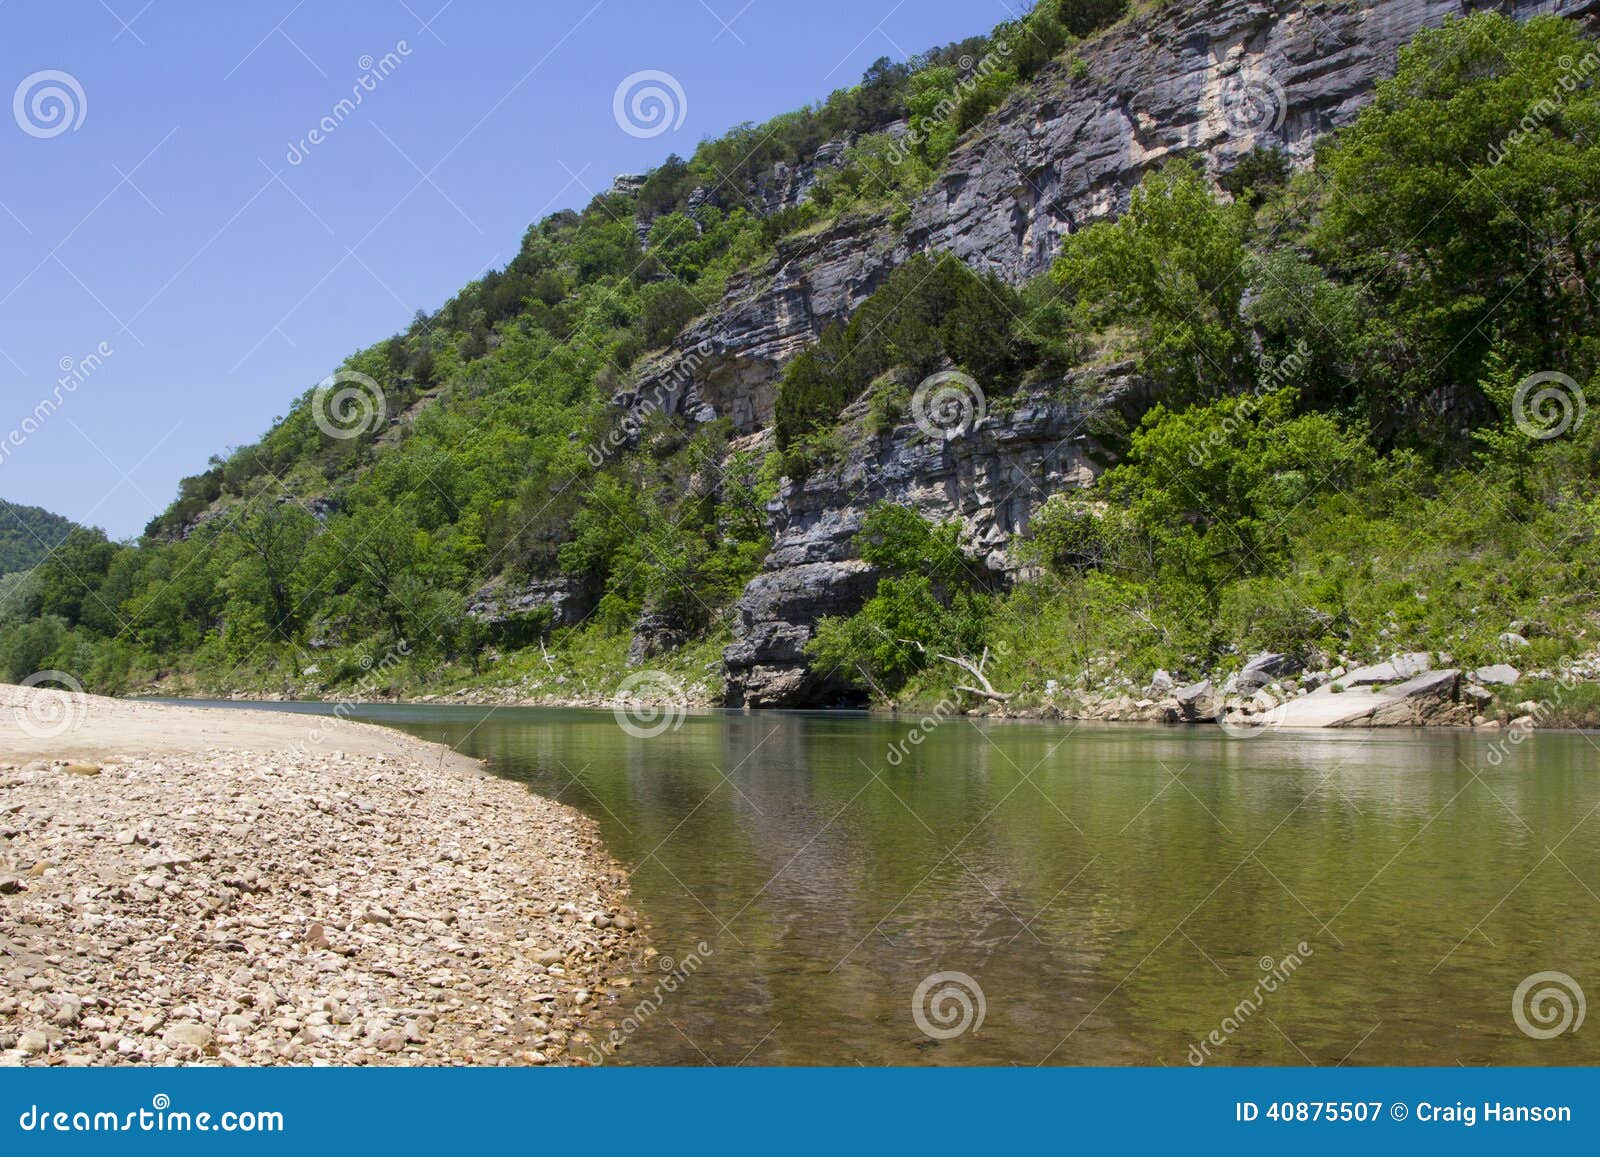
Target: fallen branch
x=987, y=691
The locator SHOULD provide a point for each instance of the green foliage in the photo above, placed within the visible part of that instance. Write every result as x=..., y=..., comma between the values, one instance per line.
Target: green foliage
x=1337, y=349
x=1256, y=175
x=931, y=311
x=1459, y=198
x=32, y=646
x=1175, y=266
x=1208, y=488
x=27, y=534
x=905, y=625
x=71, y=581
x=899, y=541
x=261, y=553
x=1084, y=17
x=931, y=599
x=1074, y=533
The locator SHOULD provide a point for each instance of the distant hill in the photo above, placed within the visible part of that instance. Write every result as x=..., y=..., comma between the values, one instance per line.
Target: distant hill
x=27, y=534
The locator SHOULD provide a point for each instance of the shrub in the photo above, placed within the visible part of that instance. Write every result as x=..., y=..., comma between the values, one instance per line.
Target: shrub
x=1084, y=17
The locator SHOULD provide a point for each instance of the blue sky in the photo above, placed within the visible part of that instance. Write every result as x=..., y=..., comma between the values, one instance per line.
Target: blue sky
x=158, y=237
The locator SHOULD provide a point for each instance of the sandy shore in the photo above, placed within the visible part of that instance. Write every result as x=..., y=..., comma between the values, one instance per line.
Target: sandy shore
x=247, y=887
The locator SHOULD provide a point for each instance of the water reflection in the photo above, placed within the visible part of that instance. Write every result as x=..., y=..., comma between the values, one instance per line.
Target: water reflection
x=1116, y=892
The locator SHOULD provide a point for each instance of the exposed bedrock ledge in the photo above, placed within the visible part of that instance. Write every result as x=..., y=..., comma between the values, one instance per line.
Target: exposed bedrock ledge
x=1054, y=158
x=1058, y=155
x=990, y=480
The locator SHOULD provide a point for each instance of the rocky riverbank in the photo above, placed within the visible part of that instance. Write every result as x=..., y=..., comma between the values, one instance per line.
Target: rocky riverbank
x=1273, y=691
x=224, y=886
x=1270, y=691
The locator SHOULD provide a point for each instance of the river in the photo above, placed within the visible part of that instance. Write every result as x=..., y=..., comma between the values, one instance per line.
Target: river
x=1078, y=894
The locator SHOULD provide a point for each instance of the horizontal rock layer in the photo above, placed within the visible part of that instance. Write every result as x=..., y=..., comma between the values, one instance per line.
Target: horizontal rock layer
x=990, y=480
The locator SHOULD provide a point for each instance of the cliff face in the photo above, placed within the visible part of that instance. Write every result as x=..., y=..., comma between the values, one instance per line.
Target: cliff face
x=1216, y=79
x=989, y=479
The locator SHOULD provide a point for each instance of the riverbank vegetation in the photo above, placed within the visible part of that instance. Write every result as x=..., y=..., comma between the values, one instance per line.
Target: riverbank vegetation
x=1348, y=458
x=1374, y=434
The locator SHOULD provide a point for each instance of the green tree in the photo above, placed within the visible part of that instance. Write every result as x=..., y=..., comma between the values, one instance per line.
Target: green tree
x=1175, y=267
x=1463, y=198
x=267, y=543
x=1083, y=17
x=69, y=581
x=931, y=599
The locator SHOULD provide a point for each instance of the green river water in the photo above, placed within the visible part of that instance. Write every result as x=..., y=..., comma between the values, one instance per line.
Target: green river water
x=1117, y=894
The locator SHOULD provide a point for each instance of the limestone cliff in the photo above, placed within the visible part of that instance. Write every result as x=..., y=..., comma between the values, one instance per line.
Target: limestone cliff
x=1215, y=79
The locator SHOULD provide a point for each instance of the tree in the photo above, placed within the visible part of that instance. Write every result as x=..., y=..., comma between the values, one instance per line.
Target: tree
x=929, y=312
x=70, y=577
x=1462, y=197
x=26, y=535
x=1208, y=488
x=1083, y=17
x=1175, y=267
x=268, y=542
x=930, y=602
x=373, y=554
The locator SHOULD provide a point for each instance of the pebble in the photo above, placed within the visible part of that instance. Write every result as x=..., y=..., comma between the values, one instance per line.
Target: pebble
x=303, y=907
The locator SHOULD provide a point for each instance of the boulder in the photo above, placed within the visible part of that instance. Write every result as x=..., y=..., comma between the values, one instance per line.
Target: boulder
x=1263, y=700
x=568, y=600
x=1396, y=670
x=656, y=633
x=1263, y=669
x=1497, y=675
x=1428, y=699
x=1198, y=702
x=188, y=1034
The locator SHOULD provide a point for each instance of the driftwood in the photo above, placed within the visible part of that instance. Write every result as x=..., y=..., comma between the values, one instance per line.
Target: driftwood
x=987, y=691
